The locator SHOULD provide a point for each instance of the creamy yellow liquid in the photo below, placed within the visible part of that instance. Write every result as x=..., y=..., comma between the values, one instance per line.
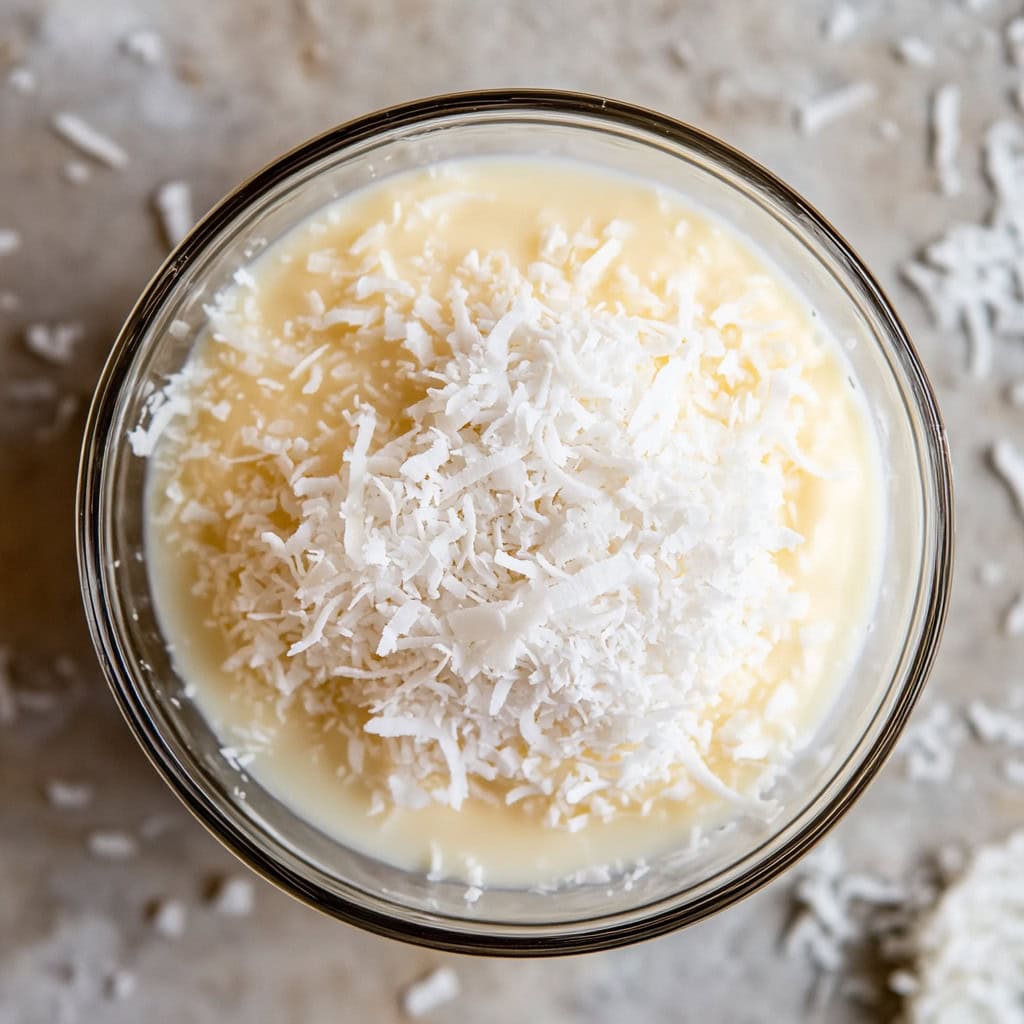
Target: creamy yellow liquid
x=491, y=205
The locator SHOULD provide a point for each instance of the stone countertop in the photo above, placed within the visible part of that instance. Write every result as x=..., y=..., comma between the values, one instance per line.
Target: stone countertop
x=238, y=82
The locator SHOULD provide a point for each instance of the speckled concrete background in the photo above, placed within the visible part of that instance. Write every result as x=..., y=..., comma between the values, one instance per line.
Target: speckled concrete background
x=240, y=81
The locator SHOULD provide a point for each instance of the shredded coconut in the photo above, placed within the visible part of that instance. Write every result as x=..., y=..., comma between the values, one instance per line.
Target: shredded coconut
x=69, y=796
x=78, y=133
x=516, y=557
x=930, y=744
x=841, y=23
x=169, y=918
x=120, y=985
x=173, y=202
x=56, y=343
x=945, y=124
x=112, y=845
x=440, y=986
x=1008, y=462
x=969, y=962
x=816, y=114
x=915, y=51
x=969, y=278
x=144, y=45
x=233, y=897
x=22, y=80
x=10, y=241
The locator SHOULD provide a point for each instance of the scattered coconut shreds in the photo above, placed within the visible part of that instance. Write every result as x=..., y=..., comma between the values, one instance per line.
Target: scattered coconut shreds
x=815, y=114
x=968, y=278
x=120, y=985
x=168, y=918
x=945, y=128
x=969, y=949
x=841, y=23
x=8, y=700
x=930, y=744
x=22, y=80
x=112, y=845
x=233, y=897
x=87, y=140
x=68, y=796
x=993, y=725
x=839, y=912
x=915, y=51
x=173, y=202
x=428, y=993
x=10, y=241
x=77, y=172
x=1008, y=463
x=56, y=343
x=144, y=45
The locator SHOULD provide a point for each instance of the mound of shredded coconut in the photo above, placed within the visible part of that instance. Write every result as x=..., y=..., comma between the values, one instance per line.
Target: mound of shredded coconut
x=970, y=947
x=971, y=277
x=556, y=576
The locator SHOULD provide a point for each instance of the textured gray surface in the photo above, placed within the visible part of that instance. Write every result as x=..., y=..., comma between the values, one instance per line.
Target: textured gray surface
x=241, y=81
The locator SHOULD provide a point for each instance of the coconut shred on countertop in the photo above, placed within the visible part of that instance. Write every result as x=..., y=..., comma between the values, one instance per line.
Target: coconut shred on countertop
x=511, y=518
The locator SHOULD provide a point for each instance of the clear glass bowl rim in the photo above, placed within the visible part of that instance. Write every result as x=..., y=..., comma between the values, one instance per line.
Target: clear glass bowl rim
x=506, y=938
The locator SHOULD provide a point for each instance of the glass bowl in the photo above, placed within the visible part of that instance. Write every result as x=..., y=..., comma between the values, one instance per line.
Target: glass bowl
x=679, y=888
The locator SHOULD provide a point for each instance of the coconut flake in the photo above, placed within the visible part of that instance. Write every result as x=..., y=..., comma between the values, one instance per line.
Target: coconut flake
x=173, y=202
x=112, y=845
x=1008, y=463
x=816, y=114
x=145, y=46
x=56, y=343
x=433, y=990
x=169, y=918
x=945, y=127
x=915, y=51
x=10, y=241
x=233, y=897
x=87, y=140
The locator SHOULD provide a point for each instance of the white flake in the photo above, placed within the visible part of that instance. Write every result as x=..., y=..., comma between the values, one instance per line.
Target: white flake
x=914, y=50
x=841, y=23
x=10, y=241
x=816, y=114
x=78, y=133
x=969, y=950
x=945, y=128
x=440, y=986
x=144, y=45
x=1013, y=621
x=68, y=796
x=121, y=984
x=56, y=343
x=1008, y=462
x=112, y=845
x=22, y=80
x=173, y=202
x=233, y=897
x=169, y=918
